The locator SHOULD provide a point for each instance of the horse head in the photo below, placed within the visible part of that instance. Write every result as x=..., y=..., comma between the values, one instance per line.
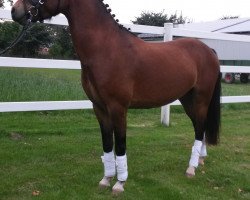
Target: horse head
x=36, y=10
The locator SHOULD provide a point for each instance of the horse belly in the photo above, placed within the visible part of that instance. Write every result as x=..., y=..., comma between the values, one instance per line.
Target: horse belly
x=157, y=89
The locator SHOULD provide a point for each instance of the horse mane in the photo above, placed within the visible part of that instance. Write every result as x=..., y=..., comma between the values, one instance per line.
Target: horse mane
x=108, y=9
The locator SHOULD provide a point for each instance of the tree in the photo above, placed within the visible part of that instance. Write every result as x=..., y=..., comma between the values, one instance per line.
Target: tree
x=56, y=38
x=8, y=32
x=37, y=36
x=2, y=2
x=62, y=46
x=158, y=19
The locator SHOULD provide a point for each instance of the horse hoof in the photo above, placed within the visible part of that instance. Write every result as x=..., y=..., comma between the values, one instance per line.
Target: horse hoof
x=105, y=182
x=118, y=188
x=190, y=172
x=201, y=161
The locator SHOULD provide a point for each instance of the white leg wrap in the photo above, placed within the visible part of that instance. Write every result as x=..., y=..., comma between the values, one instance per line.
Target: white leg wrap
x=122, y=168
x=108, y=160
x=203, y=149
x=196, y=150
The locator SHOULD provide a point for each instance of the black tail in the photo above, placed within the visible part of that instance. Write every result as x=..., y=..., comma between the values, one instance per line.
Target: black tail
x=214, y=115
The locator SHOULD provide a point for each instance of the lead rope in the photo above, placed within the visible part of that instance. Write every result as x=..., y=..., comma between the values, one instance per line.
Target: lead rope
x=19, y=37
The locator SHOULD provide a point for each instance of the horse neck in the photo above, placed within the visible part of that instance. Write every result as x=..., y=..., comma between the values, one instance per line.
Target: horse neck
x=92, y=28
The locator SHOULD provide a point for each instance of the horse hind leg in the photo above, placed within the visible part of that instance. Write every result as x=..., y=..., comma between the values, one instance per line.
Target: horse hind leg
x=203, y=153
x=205, y=104
x=197, y=156
x=197, y=112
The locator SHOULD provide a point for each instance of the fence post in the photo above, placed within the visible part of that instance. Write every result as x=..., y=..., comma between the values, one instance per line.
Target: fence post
x=168, y=32
x=165, y=110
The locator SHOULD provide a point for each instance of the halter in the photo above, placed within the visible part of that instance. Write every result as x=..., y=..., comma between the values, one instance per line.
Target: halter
x=34, y=10
x=36, y=3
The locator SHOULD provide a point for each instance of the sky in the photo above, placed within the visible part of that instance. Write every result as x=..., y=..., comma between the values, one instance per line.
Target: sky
x=195, y=10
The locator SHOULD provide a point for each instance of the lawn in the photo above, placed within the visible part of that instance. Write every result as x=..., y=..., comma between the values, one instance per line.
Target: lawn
x=56, y=154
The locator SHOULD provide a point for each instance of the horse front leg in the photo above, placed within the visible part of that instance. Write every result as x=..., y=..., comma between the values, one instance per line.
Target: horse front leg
x=108, y=157
x=118, y=115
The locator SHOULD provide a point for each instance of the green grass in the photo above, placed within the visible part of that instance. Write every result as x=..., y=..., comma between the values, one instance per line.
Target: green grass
x=235, y=89
x=40, y=85
x=59, y=152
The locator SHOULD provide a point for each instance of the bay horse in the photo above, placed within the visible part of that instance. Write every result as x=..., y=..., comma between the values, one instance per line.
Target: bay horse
x=121, y=71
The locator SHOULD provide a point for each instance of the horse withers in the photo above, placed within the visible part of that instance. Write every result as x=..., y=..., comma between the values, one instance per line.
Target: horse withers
x=121, y=71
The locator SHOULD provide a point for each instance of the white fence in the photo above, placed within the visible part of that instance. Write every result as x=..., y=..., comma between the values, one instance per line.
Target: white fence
x=168, y=31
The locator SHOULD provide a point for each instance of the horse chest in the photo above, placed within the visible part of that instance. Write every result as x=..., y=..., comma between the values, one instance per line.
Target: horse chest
x=89, y=87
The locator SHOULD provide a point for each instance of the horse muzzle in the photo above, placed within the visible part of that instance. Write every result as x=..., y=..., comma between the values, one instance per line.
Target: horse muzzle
x=18, y=15
x=23, y=14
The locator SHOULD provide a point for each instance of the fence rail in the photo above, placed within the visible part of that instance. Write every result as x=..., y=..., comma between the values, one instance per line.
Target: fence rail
x=75, y=64
x=168, y=31
x=86, y=104
x=44, y=106
x=39, y=63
